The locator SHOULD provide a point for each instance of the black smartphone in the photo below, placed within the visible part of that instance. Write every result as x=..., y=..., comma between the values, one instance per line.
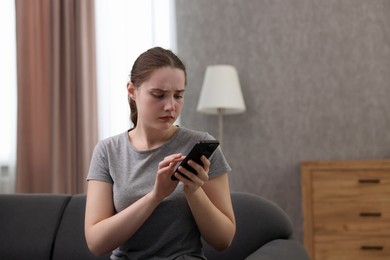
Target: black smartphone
x=204, y=147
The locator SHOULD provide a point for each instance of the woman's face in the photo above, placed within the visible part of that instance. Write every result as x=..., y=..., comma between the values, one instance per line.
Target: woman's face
x=160, y=99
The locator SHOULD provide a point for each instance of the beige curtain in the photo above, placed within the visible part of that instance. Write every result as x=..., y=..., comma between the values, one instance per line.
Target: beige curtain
x=57, y=99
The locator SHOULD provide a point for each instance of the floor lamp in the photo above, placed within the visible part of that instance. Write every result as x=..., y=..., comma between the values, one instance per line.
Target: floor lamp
x=221, y=94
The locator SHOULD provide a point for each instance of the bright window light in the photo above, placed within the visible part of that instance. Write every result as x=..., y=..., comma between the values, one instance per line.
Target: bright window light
x=8, y=92
x=125, y=29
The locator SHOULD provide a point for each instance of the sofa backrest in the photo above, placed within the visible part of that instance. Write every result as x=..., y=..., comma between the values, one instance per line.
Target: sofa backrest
x=28, y=225
x=48, y=227
x=44, y=227
x=70, y=241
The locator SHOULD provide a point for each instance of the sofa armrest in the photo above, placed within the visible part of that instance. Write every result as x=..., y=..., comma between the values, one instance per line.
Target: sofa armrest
x=280, y=249
x=258, y=221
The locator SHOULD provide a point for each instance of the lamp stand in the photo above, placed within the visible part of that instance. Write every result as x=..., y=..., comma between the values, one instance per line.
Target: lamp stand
x=220, y=126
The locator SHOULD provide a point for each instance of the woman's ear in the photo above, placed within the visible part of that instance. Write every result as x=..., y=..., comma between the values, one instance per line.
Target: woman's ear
x=131, y=90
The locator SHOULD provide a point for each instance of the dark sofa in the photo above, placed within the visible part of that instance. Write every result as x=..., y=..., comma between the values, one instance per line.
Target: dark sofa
x=43, y=226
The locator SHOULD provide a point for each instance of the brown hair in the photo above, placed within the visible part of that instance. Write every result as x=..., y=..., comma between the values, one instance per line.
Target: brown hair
x=145, y=65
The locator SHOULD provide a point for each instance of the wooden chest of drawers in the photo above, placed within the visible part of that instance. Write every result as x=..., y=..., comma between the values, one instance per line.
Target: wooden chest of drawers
x=346, y=209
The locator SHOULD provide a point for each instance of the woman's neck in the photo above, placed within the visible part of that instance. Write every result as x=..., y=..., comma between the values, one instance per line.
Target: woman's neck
x=143, y=139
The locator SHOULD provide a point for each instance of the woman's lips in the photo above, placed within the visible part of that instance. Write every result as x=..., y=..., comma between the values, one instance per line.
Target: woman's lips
x=167, y=118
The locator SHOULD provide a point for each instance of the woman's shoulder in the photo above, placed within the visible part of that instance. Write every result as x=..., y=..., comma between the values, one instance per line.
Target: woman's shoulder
x=113, y=142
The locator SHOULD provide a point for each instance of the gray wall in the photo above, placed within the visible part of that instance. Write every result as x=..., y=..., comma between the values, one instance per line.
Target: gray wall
x=315, y=78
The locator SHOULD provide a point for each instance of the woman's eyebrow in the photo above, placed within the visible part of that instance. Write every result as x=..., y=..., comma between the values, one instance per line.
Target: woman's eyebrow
x=165, y=90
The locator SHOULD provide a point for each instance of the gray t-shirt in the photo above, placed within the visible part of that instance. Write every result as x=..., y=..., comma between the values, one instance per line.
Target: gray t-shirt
x=170, y=231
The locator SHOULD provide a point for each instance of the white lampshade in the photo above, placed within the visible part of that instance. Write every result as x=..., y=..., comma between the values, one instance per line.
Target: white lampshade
x=221, y=91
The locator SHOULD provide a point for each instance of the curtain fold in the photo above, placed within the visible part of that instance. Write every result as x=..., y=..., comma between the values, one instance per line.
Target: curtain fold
x=57, y=99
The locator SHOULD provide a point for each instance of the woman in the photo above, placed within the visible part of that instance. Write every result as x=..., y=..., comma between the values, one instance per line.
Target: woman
x=133, y=207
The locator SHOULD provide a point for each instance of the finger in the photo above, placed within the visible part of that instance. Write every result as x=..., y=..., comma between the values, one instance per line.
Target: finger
x=189, y=182
x=169, y=159
x=173, y=157
x=163, y=164
x=206, y=163
x=191, y=177
x=202, y=172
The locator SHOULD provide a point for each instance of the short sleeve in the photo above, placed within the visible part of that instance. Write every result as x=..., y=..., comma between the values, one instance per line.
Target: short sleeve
x=99, y=168
x=218, y=162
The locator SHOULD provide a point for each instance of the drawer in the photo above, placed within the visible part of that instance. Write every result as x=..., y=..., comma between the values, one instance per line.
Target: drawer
x=351, y=185
x=352, y=218
x=351, y=247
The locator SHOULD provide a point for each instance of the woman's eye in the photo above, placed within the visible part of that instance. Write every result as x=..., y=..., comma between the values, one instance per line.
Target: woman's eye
x=157, y=95
x=160, y=95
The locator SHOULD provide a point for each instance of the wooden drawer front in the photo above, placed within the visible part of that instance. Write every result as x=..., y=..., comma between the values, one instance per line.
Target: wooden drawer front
x=352, y=218
x=356, y=185
x=351, y=248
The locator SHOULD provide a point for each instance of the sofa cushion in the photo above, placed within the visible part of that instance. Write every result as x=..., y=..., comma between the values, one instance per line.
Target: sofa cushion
x=71, y=233
x=28, y=225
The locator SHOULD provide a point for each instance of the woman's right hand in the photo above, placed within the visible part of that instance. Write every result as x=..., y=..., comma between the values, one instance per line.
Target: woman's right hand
x=164, y=184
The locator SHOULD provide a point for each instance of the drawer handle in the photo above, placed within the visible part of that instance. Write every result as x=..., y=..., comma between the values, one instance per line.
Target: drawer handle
x=375, y=248
x=374, y=181
x=370, y=214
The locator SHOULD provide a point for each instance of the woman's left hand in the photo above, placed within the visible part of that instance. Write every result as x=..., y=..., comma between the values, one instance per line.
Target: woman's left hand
x=194, y=181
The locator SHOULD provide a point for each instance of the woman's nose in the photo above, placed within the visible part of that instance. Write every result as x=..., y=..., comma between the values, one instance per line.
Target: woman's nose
x=170, y=104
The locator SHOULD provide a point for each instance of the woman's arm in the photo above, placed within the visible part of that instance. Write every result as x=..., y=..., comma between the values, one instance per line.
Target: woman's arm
x=212, y=209
x=210, y=204
x=104, y=228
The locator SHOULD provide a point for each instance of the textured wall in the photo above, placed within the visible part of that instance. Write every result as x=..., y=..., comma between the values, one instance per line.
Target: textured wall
x=315, y=78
